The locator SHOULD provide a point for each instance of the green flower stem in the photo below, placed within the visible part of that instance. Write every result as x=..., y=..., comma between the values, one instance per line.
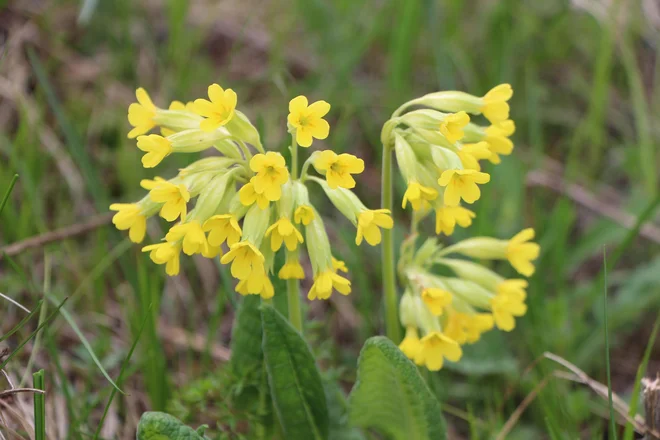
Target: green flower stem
x=293, y=285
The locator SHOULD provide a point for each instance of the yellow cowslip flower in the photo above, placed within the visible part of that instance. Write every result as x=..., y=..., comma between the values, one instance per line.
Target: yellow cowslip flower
x=325, y=281
x=283, y=231
x=194, y=240
x=219, y=110
x=291, y=270
x=173, y=196
x=514, y=288
x=221, y=228
x=436, y=346
x=338, y=265
x=462, y=184
x=129, y=216
x=141, y=114
x=271, y=174
x=156, y=147
x=266, y=291
x=520, y=252
x=245, y=259
x=248, y=196
x=471, y=154
x=418, y=195
x=497, y=144
x=167, y=254
x=410, y=346
x=452, y=125
x=304, y=214
x=468, y=327
x=505, y=307
x=447, y=217
x=308, y=120
x=369, y=222
x=495, y=106
x=338, y=168
x=504, y=128
x=436, y=299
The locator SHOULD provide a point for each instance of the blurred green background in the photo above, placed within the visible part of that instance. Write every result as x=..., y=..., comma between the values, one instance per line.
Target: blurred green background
x=584, y=174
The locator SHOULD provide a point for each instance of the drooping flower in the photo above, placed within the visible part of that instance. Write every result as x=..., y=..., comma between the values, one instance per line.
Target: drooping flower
x=308, y=120
x=520, y=252
x=272, y=173
x=471, y=154
x=219, y=110
x=248, y=196
x=262, y=286
x=291, y=270
x=221, y=228
x=447, y=217
x=505, y=307
x=165, y=253
x=452, y=126
x=468, y=327
x=418, y=195
x=338, y=168
x=156, y=147
x=462, y=184
x=435, y=347
x=514, y=288
x=325, y=281
x=436, y=300
x=410, y=346
x=174, y=197
x=339, y=266
x=369, y=223
x=495, y=106
x=245, y=259
x=304, y=214
x=141, y=114
x=283, y=231
x=129, y=216
x=194, y=240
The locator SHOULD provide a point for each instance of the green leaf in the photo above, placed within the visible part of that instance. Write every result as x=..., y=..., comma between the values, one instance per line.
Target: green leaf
x=162, y=426
x=246, y=353
x=391, y=397
x=295, y=382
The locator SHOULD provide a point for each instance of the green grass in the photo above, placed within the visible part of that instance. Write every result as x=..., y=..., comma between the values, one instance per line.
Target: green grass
x=586, y=93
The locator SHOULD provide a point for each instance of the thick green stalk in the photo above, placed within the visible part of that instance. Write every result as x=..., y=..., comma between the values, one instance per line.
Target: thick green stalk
x=392, y=328
x=293, y=285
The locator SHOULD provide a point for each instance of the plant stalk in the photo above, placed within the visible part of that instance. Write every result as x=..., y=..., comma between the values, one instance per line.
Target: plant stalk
x=293, y=285
x=392, y=328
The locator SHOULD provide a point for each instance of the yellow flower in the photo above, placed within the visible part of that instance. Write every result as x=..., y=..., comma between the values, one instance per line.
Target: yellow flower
x=194, y=240
x=141, y=114
x=471, y=154
x=462, y=184
x=520, y=252
x=324, y=283
x=369, y=222
x=248, y=196
x=245, y=260
x=291, y=270
x=410, y=345
x=219, y=110
x=418, y=195
x=452, y=126
x=435, y=347
x=173, y=196
x=497, y=144
x=504, y=128
x=167, y=254
x=262, y=287
x=338, y=265
x=221, y=228
x=308, y=120
x=304, y=214
x=468, y=328
x=514, y=288
x=129, y=216
x=338, y=168
x=505, y=307
x=447, y=217
x=436, y=299
x=283, y=231
x=271, y=174
x=495, y=107
x=156, y=147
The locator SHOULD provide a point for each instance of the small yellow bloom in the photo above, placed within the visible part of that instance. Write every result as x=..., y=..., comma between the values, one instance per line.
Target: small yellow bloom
x=497, y=144
x=468, y=328
x=173, y=196
x=221, y=228
x=369, y=222
x=308, y=120
x=141, y=114
x=418, y=195
x=271, y=174
x=194, y=240
x=452, y=126
x=410, y=346
x=283, y=231
x=514, y=288
x=291, y=270
x=447, y=217
x=156, y=147
x=248, y=196
x=325, y=281
x=245, y=260
x=129, y=216
x=505, y=307
x=504, y=128
x=167, y=254
x=435, y=347
x=462, y=184
x=471, y=154
x=436, y=299
x=304, y=214
x=262, y=287
x=520, y=252
x=219, y=110
x=338, y=265
x=495, y=106
x=338, y=168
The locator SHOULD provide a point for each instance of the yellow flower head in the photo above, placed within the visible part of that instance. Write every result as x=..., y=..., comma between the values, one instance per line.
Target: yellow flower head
x=129, y=216
x=520, y=252
x=505, y=307
x=325, y=281
x=304, y=214
x=468, y=328
x=219, y=110
x=514, y=288
x=167, y=254
x=194, y=240
x=498, y=144
x=504, y=128
x=248, y=196
x=452, y=126
x=156, y=147
x=435, y=347
x=338, y=168
x=271, y=174
x=174, y=197
x=246, y=260
x=221, y=228
x=447, y=217
x=141, y=114
x=291, y=270
x=283, y=231
x=410, y=345
x=260, y=285
x=462, y=184
x=495, y=106
x=471, y=154
x=436, y=299
x=339, y=266
x=418, y=196
x=369, y=222
x=308, y=120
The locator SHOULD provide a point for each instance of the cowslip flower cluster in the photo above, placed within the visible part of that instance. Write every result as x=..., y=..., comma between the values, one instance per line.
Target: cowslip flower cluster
x=246, y=203
x=438, y=150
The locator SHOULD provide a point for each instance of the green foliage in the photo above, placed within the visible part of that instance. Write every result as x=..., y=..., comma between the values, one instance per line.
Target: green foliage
x=391, y=396
x=162, y=426
x=246, y=352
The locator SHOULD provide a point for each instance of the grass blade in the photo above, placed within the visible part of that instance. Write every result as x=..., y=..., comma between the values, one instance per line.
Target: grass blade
x=8, y=193
x=607, y=352
x=23, y=321
x=39, y=407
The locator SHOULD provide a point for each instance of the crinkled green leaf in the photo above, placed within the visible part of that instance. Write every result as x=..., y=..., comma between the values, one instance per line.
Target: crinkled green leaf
x=246, y=352
x=162, y=426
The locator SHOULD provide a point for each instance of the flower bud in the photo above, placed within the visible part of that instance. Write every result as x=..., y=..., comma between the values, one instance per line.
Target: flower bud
x=407, y=310
x=318, y=245
x=405, y=158
x=240, y=127
x=255, y=224
x=473, y=272
x=194, y=140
